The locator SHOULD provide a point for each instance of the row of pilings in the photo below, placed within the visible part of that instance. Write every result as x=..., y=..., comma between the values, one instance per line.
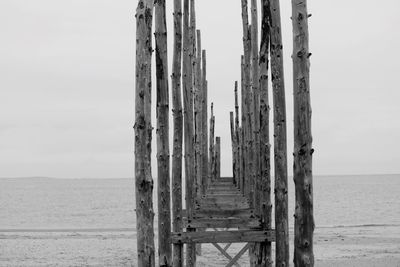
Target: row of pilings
x=249, y=130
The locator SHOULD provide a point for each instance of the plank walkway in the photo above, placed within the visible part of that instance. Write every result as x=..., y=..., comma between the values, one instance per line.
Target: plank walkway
x=225, y=216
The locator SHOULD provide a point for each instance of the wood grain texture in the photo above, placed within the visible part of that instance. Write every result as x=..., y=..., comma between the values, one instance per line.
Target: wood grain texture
x=239, y=236
x=280, y=139
x=302, y=167
x=143, y=129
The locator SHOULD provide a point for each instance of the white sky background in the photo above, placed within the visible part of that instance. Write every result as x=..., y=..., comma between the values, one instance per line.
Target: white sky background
x=67, y=84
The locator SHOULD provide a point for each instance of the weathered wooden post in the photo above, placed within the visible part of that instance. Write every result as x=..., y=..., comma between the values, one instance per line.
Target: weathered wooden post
x=143, y=129
x=198, y=94
x=211, y=150
x=234, y=147
x=302, y=167
x=265, y=165
x=177, y=222
x=217, y=157
x=188, y=127
x=237, y=159
x=280, y=142
x=163, y=185
x=204, y=123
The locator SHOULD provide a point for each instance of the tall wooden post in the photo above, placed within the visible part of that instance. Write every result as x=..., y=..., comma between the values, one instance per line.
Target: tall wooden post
x=143, y=129
x=265, y=161
x=280, y=143
x=217, y=157
x=234, y=147
x=198, y=95
x=204, y=123
x=177, y=223
x=163, y=185
x=211, y=151
x=302, y=168
x=188, y=129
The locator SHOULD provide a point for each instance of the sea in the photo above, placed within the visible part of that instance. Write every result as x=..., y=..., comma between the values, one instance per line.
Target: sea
x=91, y=222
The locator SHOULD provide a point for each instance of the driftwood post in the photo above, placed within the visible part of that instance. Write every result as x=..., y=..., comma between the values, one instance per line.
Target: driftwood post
x=204, y=123
x=198, y=116
x=211, y=151
x=163, y=185
x=302, y=168
x=264, y=253
x=280, y=145
x=178, y=132
x=243, y=159
x=143, y=129
x=234, y=147
x=237, y=158
x=188, y=127
x=217, y=157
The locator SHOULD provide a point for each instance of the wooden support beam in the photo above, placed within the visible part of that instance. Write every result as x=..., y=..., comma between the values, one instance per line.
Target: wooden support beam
x=217, y=157
x=177, y=223
x=265, y=153
x=223, y=252
x=143, y=130
x=239, y=236
x=237, y=257
x=204, y=118
x=280, y=141
x=249, y=223
x=234, y=147
x=212, y=147
x=163, y=181
x=302, y=167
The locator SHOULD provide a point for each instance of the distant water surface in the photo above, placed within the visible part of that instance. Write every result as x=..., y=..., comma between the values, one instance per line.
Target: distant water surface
x=58, y=209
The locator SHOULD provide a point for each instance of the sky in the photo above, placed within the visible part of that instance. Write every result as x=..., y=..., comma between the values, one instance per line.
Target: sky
x=67, y=84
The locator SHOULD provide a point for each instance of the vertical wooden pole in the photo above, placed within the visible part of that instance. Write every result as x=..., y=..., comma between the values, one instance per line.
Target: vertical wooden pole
x=280, y=142
x=302, y=167
x=237, y=159
x=265, y=161
x=163, y=185
x=243, y=158
x=204, y=118
x=188, y=123
x=217, y=157
x=233, y=141
x=198, y=94
x=178, y=132
x=211, y=151
x=143, y=129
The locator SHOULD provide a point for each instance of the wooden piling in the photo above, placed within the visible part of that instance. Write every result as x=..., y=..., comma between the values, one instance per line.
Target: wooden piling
x=188, y=126
x=143, y=130
x=280, y=142
x=177, y=223
x=265, y=161
x=237, y=159
x=302, y=167
x=163, y=185
x=197, y=115
x=217, y=157
x=234, y=147
x=211, y=150
x=204, y=118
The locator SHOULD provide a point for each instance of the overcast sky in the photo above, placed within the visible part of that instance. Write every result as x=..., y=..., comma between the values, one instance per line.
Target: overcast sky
x=67, y=84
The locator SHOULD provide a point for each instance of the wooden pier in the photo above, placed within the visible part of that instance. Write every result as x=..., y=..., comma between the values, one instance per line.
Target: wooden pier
x=217, y=209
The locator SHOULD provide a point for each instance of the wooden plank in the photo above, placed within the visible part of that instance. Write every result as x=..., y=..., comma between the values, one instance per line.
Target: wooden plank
x=252, y=223
x=223, y=252
x=239, y=236
x=223, y=213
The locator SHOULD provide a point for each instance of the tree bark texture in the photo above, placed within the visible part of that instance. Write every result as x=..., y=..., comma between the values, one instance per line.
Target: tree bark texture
x=188, y=126
x=143, y=129
x=177, y=224
x=280, y=142
x=265, y=161
x=302, y=168
x=217, y=157
x=163, y=185
x=204, y=123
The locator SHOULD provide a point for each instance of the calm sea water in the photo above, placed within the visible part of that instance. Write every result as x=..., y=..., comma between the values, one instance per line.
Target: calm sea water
x=105, y=210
